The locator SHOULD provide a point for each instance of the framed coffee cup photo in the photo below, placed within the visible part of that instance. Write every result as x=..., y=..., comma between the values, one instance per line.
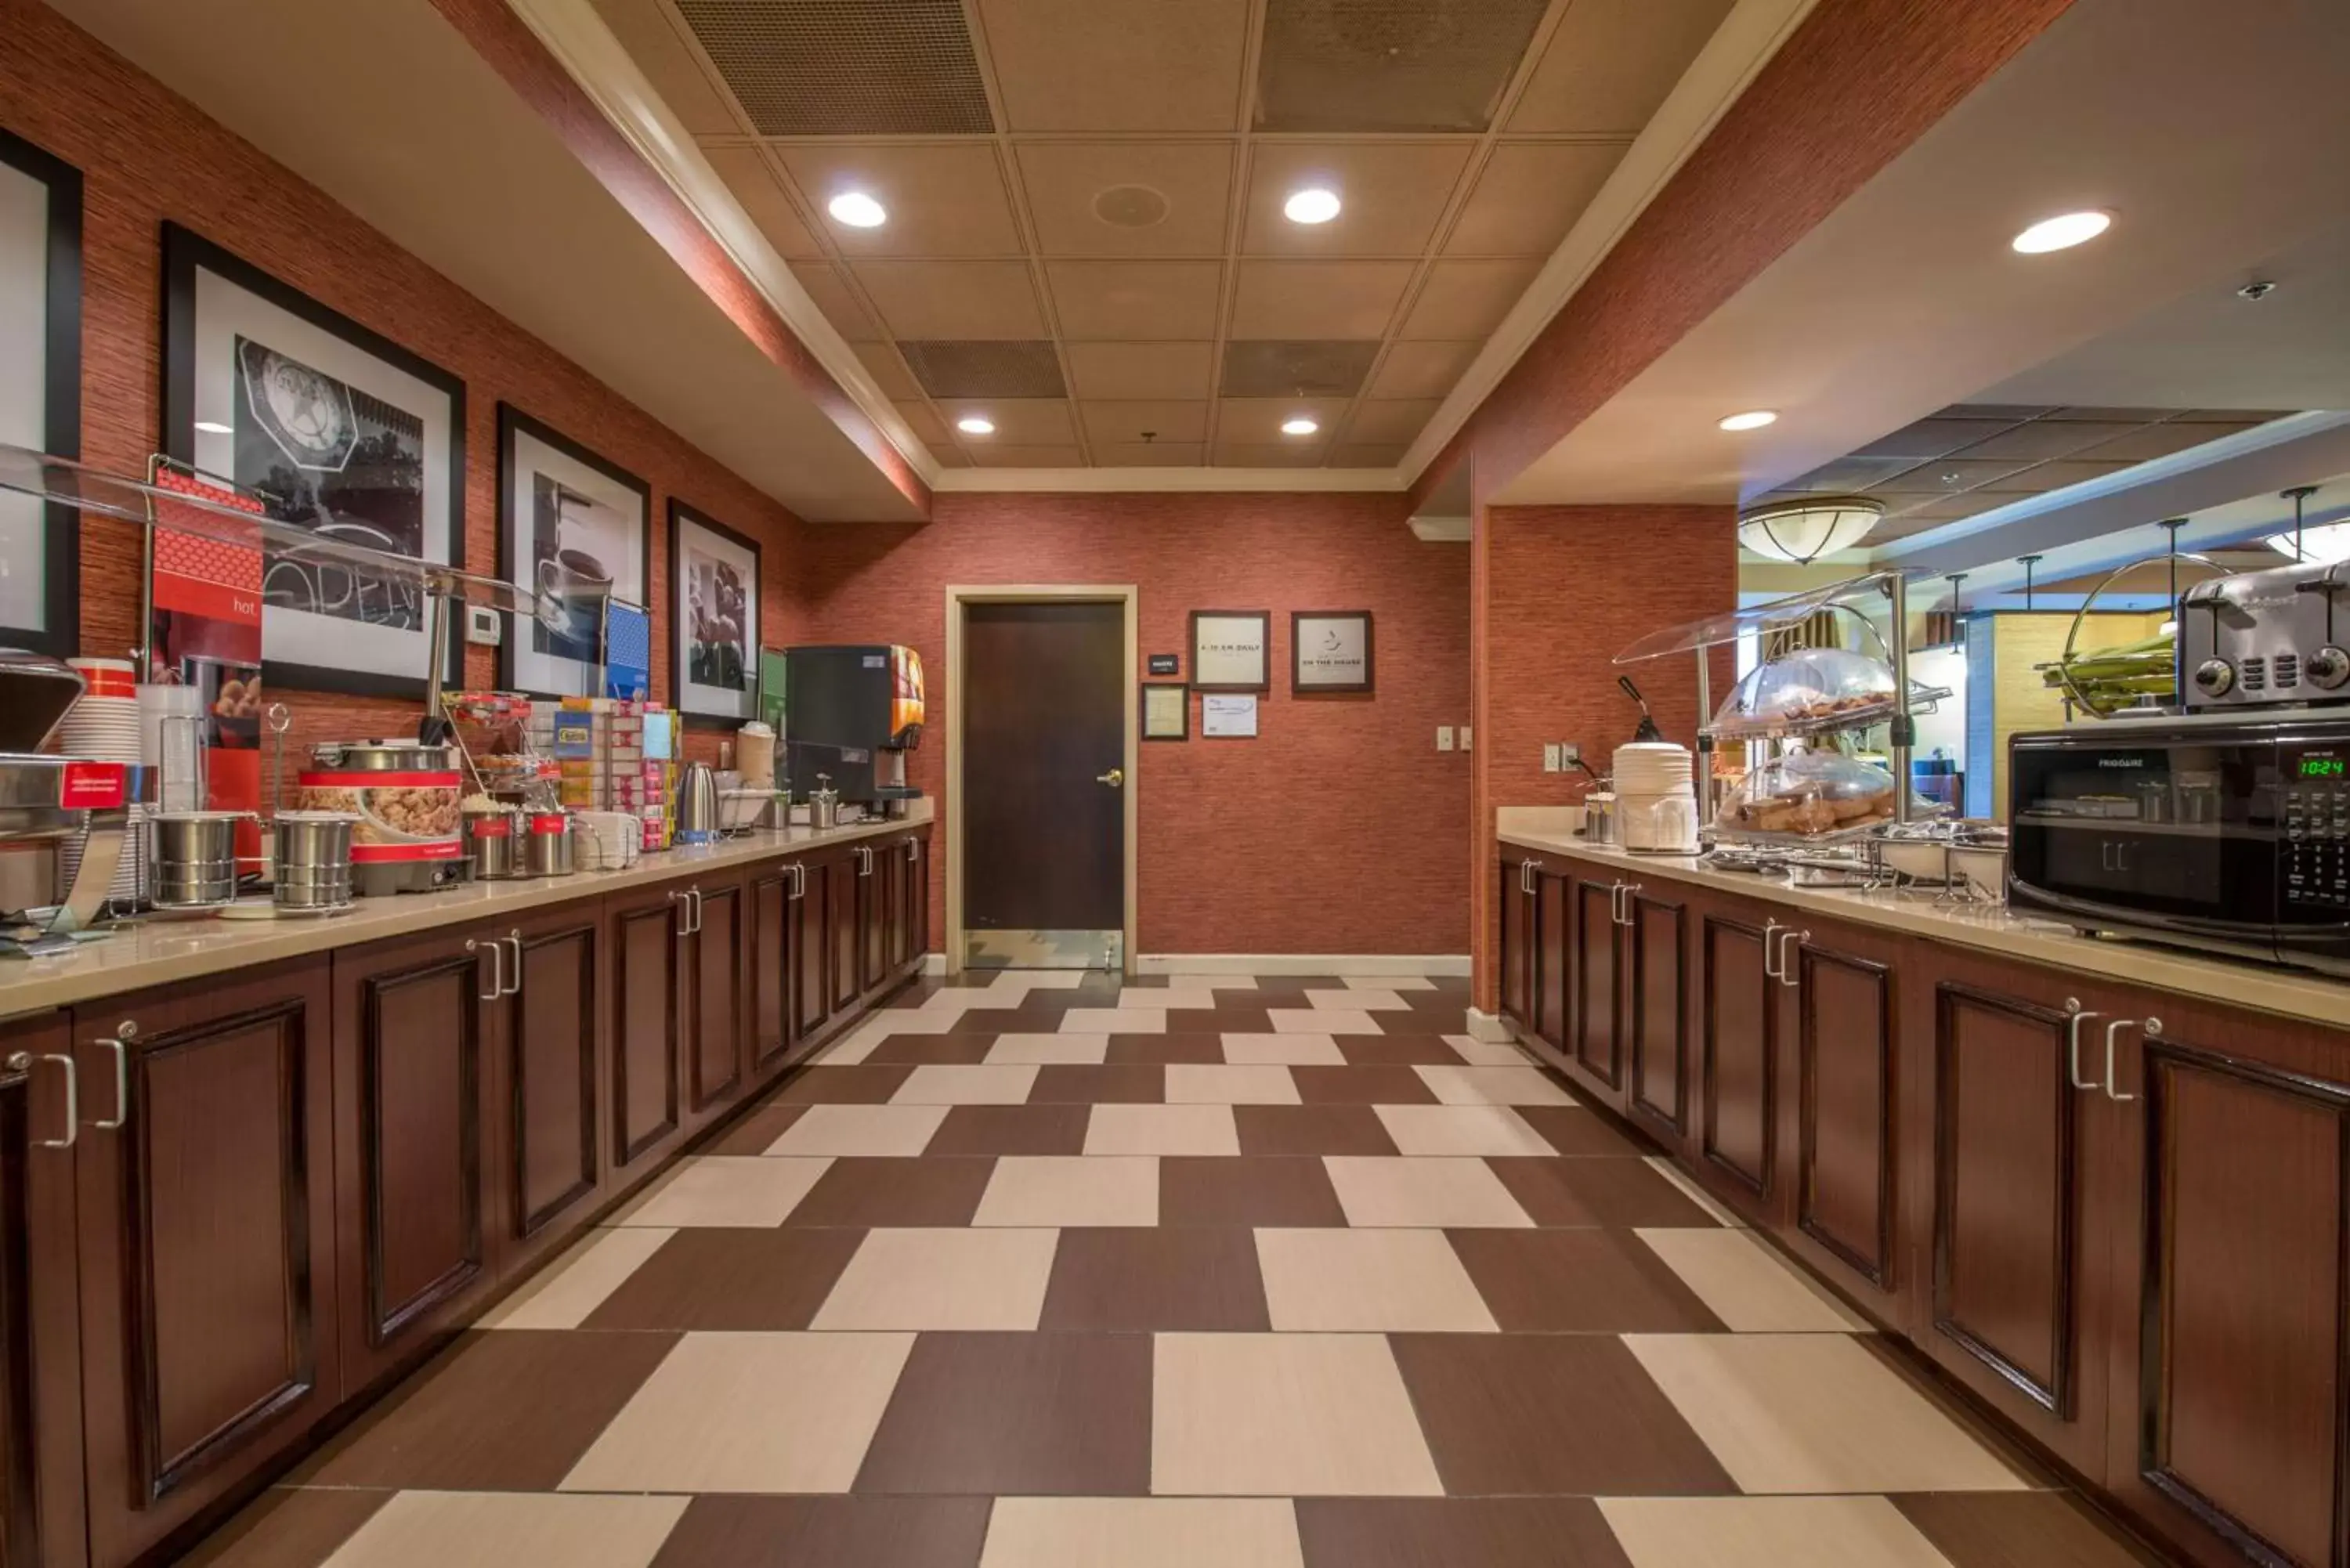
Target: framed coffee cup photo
x=577, y=531
x=1329, y=652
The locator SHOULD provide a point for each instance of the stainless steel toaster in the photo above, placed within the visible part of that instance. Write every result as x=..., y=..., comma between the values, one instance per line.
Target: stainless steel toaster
x=2264, y=638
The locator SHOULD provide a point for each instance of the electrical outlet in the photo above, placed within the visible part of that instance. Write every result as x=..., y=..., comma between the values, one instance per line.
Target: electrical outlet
x=1444, y=737
x=1464, y=737
x=1550, y=756
x=1569, y=754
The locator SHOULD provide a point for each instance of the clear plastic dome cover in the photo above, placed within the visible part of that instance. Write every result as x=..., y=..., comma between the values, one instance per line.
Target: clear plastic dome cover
x=1809, y=794
x=1816, y=688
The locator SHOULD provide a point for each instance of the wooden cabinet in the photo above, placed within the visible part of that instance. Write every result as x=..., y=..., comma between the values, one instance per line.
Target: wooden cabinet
x=1738, y=1066
x=711, y=970
x=1654, y=1011
x=844, y=933
x=644, y=1053
x=771, y=964
x=42, y=1523
x=811, y=915
x=1592, y=944
x=551, y=1029
x=1841, y=1122
x=910, y=906
x=1516, y=873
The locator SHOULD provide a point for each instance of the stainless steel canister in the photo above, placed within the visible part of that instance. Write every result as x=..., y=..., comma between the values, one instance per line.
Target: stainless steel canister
x=313, y=851
x=549, y=852
x=494, y=837
x=193, y=864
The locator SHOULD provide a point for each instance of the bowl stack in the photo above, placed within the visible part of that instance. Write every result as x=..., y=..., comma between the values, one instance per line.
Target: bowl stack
x=103, y=727
x=1656, y=798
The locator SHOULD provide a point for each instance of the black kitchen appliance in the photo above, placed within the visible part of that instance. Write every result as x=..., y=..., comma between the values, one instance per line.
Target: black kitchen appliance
x=2225, y=832
x=851, y=712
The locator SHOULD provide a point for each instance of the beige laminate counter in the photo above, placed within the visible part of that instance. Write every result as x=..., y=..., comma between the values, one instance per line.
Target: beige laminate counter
x=1993, y=928
x=160, y=952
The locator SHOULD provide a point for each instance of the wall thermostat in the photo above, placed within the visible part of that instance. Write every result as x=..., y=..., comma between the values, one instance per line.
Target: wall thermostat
x=484, y=625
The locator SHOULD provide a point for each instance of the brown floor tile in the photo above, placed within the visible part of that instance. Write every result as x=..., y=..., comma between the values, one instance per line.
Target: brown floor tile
x=870, y=1192
x=1573, y=1130
x=742, y=1532
x=286, y=1528
x=1004, y=1021
x=2017, y=1530
x=1102, y=1085
x=757, y=1131
x=1147, y=1281
x=920, y=1050
x=1011, y=1130
x=1393, y=1050
x=1163, y=1050
x=853, y=1086
x=1247, y=1192
x=1311, y=1130
x=1579, y=1282
x=1442, y=1532
x=506, y=1410
x=713, y=1280
x=1224, y=1018
x=1361, y=1086
x=1291, y=988
x=1017, y=1414
x=1549, y=1413
x=1619, y=1193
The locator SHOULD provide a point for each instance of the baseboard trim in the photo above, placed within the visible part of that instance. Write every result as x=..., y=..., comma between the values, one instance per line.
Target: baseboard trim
x=1303, y=963
x=1491, y=1028
x=934, y=964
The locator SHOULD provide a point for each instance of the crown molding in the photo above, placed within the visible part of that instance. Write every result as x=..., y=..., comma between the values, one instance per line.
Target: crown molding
x=1190, y=480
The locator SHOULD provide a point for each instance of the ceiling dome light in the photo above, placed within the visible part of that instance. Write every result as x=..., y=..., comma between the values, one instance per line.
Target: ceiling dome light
x=212, y=427
x=1805, y=529
x=975, y=424
x=857, y=210
x=2320, y=546
x=1300, y=426
x=2062, y=232
x=1752, y=419
x=1312, y=205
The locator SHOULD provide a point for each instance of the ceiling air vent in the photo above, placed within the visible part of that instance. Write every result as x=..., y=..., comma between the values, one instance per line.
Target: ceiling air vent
x=846, y=68
x=986, y=369
x=1390, y=65
x=1305, y=369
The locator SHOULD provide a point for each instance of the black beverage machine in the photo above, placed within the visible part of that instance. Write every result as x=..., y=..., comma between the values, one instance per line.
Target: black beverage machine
x=851, y=713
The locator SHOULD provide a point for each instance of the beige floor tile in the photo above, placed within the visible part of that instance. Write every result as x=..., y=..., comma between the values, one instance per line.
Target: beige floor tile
x=1665, y=1168
x=1431, y=1192
x=1283, y=1051
x=747, y=1412
x=1114, y=1020
x=1493, y=1086
x=1283, y=1414
x=562, y=1294
x=500, y=1530
x=1460, y=1130
x=959, y=1085
x=1201, y=981
x=1746, y=1284
x=1025, y=980
x=1321, y=1021
x=1479, y=1053
x=1389, y=983
x=942, y=1279
x=1072, y=1190
x=1356, y=999
x=1813, y=1413
x=1142, y=1532
x=861, y=1130
x=1767, y=1532
x=1047, y=1050
x=1218, y=1084
x=1368, y=1282
x=950, y=1002
x=731, y=1191
x=1161, y=1130
x=1160, y=998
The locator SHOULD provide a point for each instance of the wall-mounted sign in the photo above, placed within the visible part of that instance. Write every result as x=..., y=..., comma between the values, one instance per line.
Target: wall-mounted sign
x=1165, y=664
x=1166, y=711
x=1330, y=651
x=1231, y=650
x=1228, y=717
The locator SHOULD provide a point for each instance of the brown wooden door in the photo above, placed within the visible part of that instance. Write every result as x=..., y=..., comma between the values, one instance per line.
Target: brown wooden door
x=844, y=903
x=1516, y=881
x=1844, y=1129
x=2230, y=1376
x=207, y=1243
x=811, y=913
x=1043, y=719
x=651, y=1022
x=1737, y=1067
x=1656, y=1028
x=42, y=1522
x=1595, y=950
x=412, y=1155
x=721, y=1024
x=1552, y=938
x=771, y=966
x=554, y=1027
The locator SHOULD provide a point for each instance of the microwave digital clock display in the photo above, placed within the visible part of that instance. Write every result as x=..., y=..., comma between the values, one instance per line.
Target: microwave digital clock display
x=2324, y=768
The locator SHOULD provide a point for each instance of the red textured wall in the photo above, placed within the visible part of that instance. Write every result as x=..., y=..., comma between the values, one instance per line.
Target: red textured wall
x=147, y=156
x=1340, y=829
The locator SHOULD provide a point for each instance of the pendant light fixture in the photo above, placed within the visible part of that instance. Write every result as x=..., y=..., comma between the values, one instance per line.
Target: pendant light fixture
x=1803, y=529
x=2322, y=545
x=2028, y=562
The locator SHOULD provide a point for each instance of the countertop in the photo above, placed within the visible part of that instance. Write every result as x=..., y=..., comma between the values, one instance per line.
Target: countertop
x=2294, y=994
x=160, y=951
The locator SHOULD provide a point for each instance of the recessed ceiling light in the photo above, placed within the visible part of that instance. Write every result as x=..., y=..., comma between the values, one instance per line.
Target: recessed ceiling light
x=2061, y=232
x=207, y=427
x=1299, y=426
x=857, y=210
x=975, y=424
x=1312, y=205
x=1752, y=419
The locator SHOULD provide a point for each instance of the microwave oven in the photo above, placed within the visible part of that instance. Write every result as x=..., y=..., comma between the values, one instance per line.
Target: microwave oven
x=2218, y=832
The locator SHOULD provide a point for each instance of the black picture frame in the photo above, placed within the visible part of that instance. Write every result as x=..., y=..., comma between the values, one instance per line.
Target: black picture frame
x=1300, y=687
x=1263, y=682
x=679, y=514
x=1184, y=710
x=513, y=422
x=60, y=633
x=185, y=253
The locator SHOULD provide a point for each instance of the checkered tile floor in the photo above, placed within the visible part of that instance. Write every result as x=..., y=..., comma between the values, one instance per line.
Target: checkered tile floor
x=1041, y=1271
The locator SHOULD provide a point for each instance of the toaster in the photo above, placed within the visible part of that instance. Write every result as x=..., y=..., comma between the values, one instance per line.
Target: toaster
x=2264, y=638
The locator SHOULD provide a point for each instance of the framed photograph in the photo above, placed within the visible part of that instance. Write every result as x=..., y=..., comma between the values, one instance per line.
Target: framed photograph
x=1228, y=717
x=1166, y=711
x=1231, y=650
x=345, y=433
x=577, y=531
x=713, y=578
x=1329, y=652
x=40, y=390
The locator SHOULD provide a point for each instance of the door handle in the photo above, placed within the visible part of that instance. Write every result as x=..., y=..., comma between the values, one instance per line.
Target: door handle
x=2073, y=1042
x=497, y=967
x=1789, y=939
x=514, y=985
x=1114, y=778
x=2148, y=1027
x=121, y=1076
x=21, y=1062
x=1770, y=930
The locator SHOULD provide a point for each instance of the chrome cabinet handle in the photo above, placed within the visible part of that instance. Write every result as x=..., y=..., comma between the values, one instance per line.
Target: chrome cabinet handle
x=1789, y=940
x=694, y=897
x=21, y=1062
x=114, y=1043
x=913, y=850
x=2148, y=1027
x=864, y=862
x=799, y=880
x=513, y=986
x=1770, y=930
x=684, y=912
x=1615, y=903
x=1631, y=890
x=497, y=968
x=2073, y=1042
x=795, y=868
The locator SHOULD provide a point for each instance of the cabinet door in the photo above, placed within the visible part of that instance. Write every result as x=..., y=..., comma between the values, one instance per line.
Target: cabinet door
x=1595, y=947
x=42, y=1524
x=720, y=1022
x=647, y=1029
x=553, y=1025
x=874, y=901
x=1552, y=937
x=1656, y=998
x=811, y=914
x=770, y=966
x=412, y=1157
x=915, y=914
x=2230, y=1371
x=1846, y=1135
x=1737, y=1064
x=1517, y=940
x=207, y=1244
x=844, y=907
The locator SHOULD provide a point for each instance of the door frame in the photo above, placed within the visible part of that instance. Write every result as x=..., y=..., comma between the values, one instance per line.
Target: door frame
x=960, y=595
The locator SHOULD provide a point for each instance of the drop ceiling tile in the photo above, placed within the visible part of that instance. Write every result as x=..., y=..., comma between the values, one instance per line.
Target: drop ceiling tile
x=1849, y=473
x=1019, y=421
x=1125, y=422
x=1149, y=454
x=1529, y=194
x=1354, y=455
x=748, y=174
x=1421, y=369
x=1467, y=298
x=953, y=299
x=1065, y=181
x=2231, y=416
x=2014, y=413
x=986, y=367
x=1945, y=476
x=2151, y=441
x=1390, y=65
x=888, y=371
x=1318, y=298
x=1948, y=508
x=2044, y=439
x=1244, y=455
x=1612, y=62
x=1137, y=300
x=1117, y=65
x=1397, y=421
x=1296, y=368
x=990, y=455
x=1256, y=422
x=1391, y=194
x=2112, y=416
x=926, y=424
x=903, y=67
x=945, y=199
x=673, y=65
x=829, y=291
x=2056, y=475
x=1138, y=370
x=1934, y=436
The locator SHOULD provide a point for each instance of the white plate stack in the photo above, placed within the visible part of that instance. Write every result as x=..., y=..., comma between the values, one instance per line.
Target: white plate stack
x=1656, y=798
x=609, y=840
x=105, y=730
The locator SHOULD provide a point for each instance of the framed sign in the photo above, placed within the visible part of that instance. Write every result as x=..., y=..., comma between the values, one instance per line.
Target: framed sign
x=577, y=531
x=40, y=390
x=1329, y=651
x=1231, y=650
x=713, y=581
x=1165, y=664
x=1228, y=717
x=346, y=434
x=1166, y=711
